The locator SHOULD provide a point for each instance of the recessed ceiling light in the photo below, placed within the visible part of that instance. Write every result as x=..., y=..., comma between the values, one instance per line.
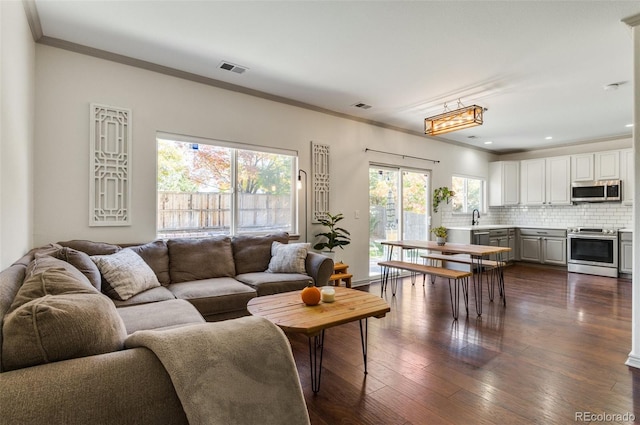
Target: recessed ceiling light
x=629, y=125
x=488, y=142
x=548, y=138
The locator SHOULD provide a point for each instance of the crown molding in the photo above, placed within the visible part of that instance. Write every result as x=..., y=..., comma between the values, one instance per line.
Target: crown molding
x=632, y=21
x=38, y=36
x=33, y=18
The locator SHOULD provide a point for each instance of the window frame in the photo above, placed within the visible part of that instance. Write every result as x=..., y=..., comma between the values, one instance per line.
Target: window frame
x=235, y=147
x=483, y=194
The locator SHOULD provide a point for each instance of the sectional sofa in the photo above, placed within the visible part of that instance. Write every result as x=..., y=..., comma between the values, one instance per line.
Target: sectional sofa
x=103, y=333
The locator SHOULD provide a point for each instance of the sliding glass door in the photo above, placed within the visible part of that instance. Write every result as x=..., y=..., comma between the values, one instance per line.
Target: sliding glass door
x=398, y=208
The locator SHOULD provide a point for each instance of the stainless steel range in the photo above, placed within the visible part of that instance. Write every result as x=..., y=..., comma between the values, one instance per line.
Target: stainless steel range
x=592, y=251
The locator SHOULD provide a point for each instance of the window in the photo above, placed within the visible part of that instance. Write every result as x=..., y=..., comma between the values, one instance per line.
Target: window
x=196, y=181
x=469, y=194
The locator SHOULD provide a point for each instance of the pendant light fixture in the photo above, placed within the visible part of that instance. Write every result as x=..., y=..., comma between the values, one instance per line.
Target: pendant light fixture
x=458, y=119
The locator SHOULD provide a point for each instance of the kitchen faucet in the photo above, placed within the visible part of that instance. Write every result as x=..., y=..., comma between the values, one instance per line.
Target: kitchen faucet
x=475, y=220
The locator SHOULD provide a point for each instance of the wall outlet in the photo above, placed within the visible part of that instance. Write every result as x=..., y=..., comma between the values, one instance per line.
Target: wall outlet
x=356, y=214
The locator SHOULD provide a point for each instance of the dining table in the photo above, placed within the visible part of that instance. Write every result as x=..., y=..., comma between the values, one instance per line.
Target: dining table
x=479, y=255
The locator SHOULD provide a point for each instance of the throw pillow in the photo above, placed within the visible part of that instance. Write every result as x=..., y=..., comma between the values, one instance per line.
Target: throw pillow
x=125, y=274
x=49, y=276
x=60, y=327
x=288, y=258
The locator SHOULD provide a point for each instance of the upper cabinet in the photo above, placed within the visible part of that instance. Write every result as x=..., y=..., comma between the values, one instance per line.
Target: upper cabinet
x=545, y=181
x=503, y=183
x=626, y=176
x=595, y=166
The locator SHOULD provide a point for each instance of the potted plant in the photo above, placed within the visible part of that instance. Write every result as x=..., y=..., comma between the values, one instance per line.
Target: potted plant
x=441, y=194
x=441, y=234
x=335, y=236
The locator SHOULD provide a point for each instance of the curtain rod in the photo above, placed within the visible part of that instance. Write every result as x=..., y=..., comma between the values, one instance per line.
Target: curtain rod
x=403, y=156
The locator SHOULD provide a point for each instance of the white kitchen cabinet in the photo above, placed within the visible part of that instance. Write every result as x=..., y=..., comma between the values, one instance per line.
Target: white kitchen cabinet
x=595, y=166
x=545, y=181
x=543, y=246
x=582, y=168
x=504, y=188
x=558, y=180
x=607, y=165
x=626, y=253
x=532, y=182
x=627, y=175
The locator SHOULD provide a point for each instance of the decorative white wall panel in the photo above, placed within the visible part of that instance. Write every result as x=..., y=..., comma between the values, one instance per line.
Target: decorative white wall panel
x=320, y=179
x=110, y=159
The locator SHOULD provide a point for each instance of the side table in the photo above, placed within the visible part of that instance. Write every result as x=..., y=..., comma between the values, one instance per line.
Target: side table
x=341, y=274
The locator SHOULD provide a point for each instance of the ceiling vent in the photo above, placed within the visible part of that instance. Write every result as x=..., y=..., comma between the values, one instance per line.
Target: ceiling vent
x=228, y=66
x=361, y=105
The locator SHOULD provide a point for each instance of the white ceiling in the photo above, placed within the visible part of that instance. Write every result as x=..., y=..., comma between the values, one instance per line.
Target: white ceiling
x=540, y=67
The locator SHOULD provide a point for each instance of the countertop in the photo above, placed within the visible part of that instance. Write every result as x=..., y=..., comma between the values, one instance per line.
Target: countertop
x=516, y=226
x=502, y=226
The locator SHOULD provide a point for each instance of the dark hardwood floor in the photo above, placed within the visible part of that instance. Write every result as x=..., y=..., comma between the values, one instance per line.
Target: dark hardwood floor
x=554, y=355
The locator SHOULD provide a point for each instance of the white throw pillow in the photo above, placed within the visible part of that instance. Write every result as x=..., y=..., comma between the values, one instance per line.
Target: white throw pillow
x=288, y=258
x=125, y=274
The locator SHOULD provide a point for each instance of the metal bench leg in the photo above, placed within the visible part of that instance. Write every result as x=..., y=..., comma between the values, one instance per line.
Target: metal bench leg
x=455, y=305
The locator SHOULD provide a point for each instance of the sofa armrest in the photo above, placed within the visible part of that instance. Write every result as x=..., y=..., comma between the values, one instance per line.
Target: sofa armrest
x=123, y=387
x=319, y=267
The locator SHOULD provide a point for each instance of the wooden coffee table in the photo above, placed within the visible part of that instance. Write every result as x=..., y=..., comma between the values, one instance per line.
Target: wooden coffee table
x=289, y=312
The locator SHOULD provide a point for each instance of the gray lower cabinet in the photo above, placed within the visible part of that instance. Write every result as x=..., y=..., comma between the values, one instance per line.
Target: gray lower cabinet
x=626, y=252
x=543, y=246
x=505, y=238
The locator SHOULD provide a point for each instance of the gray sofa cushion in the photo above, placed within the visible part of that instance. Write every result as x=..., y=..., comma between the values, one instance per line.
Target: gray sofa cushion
x=156, y=255
x=159, y=315
x=253, y=253
x=197, y=259
x=214, y=296
x=60, y=327
x=275, y=283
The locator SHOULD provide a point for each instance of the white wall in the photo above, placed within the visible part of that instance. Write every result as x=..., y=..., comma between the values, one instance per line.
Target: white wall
x=17, y=61
x=67, y=82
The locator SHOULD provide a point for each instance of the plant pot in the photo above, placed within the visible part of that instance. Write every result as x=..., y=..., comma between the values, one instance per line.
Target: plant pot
x=440, y=240
x=329, y=254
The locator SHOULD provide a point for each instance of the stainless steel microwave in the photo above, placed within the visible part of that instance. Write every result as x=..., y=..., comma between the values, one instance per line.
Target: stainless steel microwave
x=596, y=191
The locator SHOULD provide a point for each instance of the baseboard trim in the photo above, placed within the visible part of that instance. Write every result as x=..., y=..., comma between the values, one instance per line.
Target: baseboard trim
x=633, y=361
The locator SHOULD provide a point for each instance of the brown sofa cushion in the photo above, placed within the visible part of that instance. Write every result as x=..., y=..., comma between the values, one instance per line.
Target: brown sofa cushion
x=156, y=255
x=90, y=247
x=253, y=253
x=214, y=296
x=125, y=274
x=60, y=327
x=47, y=275
x=197, y=259
x=81, y=261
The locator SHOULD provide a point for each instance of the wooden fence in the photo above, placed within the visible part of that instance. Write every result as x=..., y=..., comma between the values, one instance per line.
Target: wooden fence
x=203, y=214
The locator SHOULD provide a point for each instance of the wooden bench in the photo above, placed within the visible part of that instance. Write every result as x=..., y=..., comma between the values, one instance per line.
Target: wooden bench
x=460, y=277
x=463, y=259
x=473, y=262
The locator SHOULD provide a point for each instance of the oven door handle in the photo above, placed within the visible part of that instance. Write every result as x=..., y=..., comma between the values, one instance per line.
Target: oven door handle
x=601, y=237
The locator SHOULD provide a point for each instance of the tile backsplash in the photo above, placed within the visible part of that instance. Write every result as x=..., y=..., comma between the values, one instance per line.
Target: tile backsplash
x=588, y=214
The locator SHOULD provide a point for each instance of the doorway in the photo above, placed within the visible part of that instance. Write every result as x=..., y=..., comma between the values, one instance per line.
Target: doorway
x=399, y=208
